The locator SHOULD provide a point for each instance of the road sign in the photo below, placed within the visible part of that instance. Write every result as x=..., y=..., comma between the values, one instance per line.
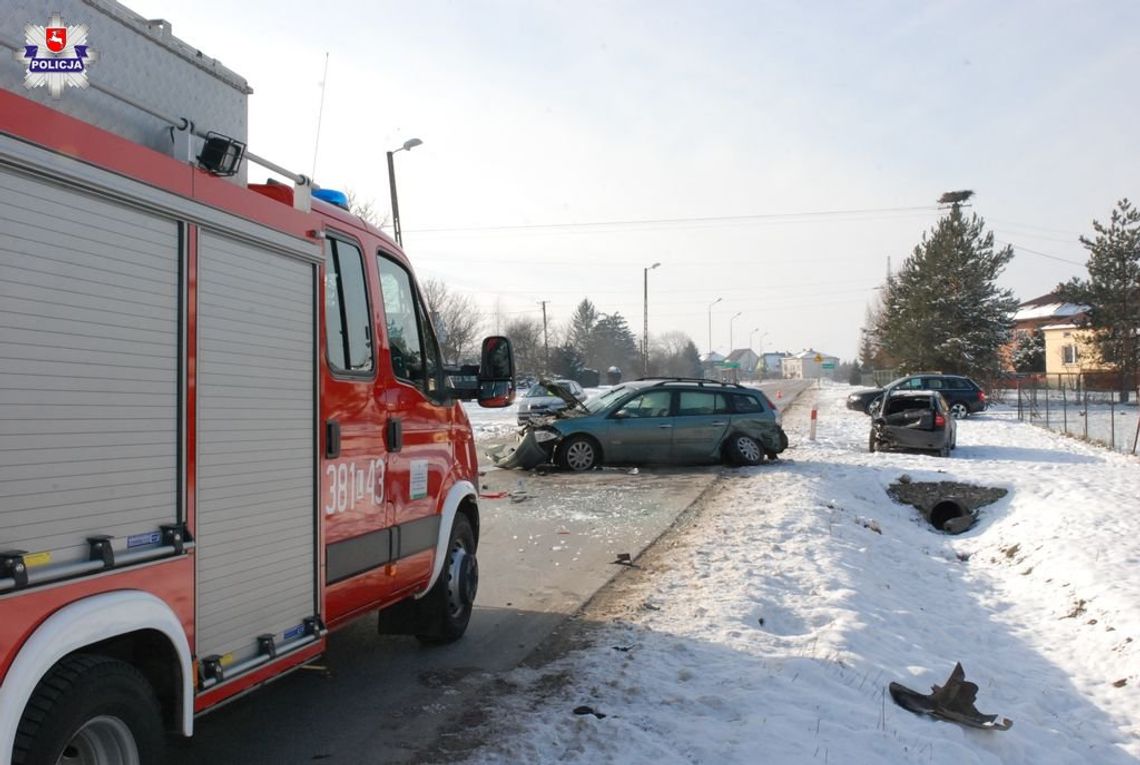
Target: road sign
x=730, y=365
x=828, y=365
x=818, y=358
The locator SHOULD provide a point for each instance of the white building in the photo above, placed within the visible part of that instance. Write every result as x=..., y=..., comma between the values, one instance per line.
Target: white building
x=809, y=364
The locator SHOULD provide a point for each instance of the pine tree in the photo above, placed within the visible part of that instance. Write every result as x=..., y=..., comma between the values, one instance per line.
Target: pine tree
x=1029, y=352
x=581, y=329
x=943, y=310
x=612, y=344
x=1112, y=291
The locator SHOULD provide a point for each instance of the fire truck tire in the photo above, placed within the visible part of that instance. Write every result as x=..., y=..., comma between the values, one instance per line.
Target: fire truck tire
x=93, y=710
x=446, y=610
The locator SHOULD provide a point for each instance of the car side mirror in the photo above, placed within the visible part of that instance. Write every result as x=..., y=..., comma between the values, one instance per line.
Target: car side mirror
x=496, y=373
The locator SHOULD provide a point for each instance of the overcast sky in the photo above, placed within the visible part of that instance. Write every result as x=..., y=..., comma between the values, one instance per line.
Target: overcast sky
x=772, y=154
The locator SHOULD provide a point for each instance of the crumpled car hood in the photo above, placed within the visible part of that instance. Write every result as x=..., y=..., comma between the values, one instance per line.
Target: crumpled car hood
x=570, y=399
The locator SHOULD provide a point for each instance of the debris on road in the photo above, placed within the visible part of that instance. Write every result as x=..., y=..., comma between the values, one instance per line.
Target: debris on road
x=526, y=455
x=952, y=702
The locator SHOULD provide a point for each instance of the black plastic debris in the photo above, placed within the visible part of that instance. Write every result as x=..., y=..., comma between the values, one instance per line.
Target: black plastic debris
x=952, y=702
x=624, y=559
x=584, y=710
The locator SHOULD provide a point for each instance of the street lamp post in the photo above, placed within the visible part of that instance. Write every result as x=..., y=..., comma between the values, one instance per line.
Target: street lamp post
x=710, y=324
x=645, y=326
x=409, y=144
x=751, y=335
x=731, y=348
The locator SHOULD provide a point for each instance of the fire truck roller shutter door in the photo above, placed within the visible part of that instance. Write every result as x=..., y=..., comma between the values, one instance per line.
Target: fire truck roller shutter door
x=256, y=447
x=89, y=346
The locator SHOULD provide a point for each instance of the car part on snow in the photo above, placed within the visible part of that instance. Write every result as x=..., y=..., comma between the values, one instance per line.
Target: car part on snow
x=952, y=702
x=584, y=710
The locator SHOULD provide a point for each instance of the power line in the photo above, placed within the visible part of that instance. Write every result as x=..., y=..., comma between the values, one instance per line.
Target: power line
x=1023, y=248
x=808, y=214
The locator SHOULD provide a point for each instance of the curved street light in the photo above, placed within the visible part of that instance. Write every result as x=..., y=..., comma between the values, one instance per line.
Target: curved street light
x=409, y=144
x=731, y=348
x=645, y=326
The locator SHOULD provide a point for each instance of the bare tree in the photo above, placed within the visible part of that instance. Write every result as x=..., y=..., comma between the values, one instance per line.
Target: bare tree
x=674, y=354
x=525, y=333
x=366, y=211
x=456, y=316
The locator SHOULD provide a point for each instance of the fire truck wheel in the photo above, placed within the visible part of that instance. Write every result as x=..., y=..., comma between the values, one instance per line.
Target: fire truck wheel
x=448, y=606
x=92, y=710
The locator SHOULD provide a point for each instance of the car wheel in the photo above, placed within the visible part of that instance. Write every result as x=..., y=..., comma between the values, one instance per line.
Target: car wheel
x=447, y=608
x=874, y=403
x=578, y=453
x=959, y=411
x=91, y=709
x=744, y=450
x=944, y=451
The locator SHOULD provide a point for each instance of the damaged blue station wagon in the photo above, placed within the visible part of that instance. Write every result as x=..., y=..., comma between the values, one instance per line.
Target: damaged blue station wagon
x=654, y=421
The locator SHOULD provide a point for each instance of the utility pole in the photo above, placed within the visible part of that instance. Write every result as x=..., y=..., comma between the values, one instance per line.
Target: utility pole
x=545, y=340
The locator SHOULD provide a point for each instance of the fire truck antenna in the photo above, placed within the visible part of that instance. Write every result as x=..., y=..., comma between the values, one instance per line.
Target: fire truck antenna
x=320, y=114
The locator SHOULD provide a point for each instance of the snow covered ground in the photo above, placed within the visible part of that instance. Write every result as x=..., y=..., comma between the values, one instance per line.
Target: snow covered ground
x=767, y=630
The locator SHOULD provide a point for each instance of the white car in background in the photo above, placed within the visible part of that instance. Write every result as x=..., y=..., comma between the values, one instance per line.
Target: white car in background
x=540, y=401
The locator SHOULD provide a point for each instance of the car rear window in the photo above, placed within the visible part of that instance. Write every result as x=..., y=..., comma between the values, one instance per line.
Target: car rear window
x=744, y=404
x=694, y=402
x=907, y=403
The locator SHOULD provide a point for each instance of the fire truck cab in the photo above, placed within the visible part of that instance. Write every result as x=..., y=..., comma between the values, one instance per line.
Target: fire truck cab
x=225, y=425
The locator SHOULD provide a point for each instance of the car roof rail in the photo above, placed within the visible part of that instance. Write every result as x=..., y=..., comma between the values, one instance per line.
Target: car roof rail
x=697, y=380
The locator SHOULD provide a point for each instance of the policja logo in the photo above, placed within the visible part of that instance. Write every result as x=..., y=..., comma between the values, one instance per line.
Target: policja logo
x=57, y=56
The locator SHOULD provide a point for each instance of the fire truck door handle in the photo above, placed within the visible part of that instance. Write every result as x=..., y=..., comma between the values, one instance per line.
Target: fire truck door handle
x=395, y=435
x=332, y=439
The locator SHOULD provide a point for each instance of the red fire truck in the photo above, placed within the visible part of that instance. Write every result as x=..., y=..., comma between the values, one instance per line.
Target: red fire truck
x=225, y=430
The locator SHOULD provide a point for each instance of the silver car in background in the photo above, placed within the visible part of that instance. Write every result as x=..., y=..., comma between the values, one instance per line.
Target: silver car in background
x=540, y=401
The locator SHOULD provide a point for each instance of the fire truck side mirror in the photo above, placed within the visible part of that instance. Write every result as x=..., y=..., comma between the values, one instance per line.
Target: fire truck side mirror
x=497, y=373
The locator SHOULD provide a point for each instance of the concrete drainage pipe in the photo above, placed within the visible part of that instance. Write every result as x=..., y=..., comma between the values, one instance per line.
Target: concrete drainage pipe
x=950, y=515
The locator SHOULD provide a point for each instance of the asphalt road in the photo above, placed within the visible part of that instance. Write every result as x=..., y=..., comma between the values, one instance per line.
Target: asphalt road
x=379, y=699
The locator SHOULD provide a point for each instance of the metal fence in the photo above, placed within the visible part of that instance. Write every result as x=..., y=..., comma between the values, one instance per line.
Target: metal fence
x=1076, y=405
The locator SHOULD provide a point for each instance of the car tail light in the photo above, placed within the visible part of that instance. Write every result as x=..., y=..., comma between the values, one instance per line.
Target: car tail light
x=939, y=420
x=981, y=395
